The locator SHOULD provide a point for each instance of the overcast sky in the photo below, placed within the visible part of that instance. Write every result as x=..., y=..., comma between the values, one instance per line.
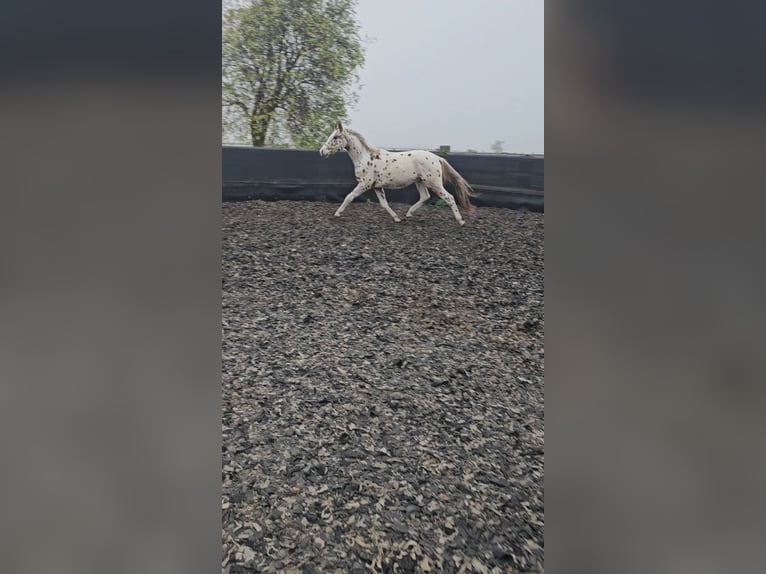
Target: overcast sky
x=457, y=72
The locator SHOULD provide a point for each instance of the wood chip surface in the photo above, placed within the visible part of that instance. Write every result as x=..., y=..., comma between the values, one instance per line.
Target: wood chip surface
x=382, y=390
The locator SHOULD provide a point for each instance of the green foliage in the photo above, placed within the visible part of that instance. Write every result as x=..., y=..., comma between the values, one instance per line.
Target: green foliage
x=288, y=68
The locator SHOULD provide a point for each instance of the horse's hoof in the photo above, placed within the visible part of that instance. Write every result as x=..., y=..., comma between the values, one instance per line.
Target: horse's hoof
x=461, y=222
x=398, y=220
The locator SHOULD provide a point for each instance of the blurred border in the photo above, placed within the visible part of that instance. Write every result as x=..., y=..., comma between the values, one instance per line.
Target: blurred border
x=654, y=122
x=110, y=289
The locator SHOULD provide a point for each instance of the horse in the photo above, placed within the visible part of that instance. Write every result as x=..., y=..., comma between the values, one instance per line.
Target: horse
x=378, y=169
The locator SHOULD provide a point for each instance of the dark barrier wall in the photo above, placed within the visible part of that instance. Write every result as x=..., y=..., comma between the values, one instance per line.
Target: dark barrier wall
x=502, y=180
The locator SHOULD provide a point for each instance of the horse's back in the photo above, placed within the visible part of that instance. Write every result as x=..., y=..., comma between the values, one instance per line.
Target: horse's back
x=400, y=169
x=419, y=157
x=421, y=154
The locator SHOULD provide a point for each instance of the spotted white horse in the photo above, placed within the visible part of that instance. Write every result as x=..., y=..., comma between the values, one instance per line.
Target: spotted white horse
x=377, y=169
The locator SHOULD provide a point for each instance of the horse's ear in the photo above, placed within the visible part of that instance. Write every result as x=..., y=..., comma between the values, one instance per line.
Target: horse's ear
x=340, y=127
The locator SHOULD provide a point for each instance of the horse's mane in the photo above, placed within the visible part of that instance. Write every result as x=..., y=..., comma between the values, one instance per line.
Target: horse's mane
x=360, y=137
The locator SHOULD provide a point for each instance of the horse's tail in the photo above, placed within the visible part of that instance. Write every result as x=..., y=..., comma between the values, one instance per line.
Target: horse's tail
x=464, y=190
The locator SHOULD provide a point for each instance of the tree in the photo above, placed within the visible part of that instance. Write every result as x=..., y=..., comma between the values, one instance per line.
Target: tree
x=288, y=68
x=498, y=147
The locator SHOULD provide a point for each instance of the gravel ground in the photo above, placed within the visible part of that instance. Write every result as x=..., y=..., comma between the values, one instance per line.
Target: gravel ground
x=382, y=390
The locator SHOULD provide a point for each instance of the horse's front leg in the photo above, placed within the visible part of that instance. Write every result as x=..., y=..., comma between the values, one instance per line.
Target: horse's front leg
x=382, y=199
x=356, y=192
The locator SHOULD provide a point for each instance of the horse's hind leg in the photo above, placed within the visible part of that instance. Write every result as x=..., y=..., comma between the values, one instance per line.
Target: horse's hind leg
x=449, y=200
x=423, y=190
x=382, y=199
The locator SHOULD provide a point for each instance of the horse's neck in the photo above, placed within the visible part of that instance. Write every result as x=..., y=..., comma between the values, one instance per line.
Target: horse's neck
x=357, y=152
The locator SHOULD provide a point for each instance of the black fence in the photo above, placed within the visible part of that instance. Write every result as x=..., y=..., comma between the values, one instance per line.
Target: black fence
x=501, y=180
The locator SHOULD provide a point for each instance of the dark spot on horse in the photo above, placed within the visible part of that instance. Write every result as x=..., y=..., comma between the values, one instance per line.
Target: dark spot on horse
x=409, y=154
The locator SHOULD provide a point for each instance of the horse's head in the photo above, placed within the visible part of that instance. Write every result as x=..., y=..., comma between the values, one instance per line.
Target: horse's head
x=336, y=142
